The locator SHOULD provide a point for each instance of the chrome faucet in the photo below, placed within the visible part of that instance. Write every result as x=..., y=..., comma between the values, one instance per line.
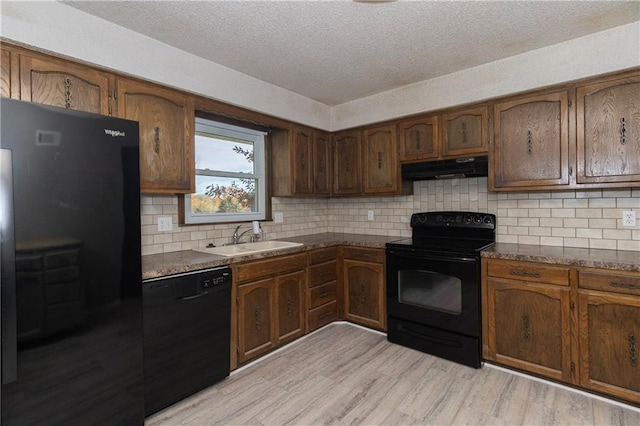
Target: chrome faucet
x=235, y=239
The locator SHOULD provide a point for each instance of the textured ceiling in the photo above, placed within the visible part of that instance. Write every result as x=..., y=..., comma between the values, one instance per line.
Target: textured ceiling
x=340, y=50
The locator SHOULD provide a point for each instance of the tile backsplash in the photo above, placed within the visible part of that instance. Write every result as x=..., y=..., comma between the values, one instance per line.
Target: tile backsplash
x=589, y=219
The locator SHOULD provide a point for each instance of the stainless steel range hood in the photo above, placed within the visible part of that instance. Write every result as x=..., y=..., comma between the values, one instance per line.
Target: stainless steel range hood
x=446, y=169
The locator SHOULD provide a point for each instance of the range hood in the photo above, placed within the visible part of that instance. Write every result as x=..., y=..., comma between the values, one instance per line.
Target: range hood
x=446, y=169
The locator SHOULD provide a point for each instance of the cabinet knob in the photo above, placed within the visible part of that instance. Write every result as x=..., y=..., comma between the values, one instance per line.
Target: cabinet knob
x=67, y=93
x=529, y=138
x=623, y=131
x=526, y=327
x=156, y=140
x=464, y=133
x=633, y=357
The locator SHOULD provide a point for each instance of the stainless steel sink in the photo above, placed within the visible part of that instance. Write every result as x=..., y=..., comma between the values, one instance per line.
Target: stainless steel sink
x=248, y=248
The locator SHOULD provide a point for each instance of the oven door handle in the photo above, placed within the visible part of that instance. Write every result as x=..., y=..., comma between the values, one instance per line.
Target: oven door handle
x=418, y=255
x=438, y=341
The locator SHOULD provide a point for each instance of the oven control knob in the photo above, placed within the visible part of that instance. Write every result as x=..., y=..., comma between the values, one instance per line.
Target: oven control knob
x=467, y=219
x=477, y=219
x=488, y=220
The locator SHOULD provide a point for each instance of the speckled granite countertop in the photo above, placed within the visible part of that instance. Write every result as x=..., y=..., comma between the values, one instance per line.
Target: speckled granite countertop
x=595, y=258
x=159, y=265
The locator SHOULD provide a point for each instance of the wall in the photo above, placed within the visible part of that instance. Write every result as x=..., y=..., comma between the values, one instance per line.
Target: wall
x=589, y=219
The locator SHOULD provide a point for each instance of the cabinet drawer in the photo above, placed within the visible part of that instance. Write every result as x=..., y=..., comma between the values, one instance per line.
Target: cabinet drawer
x=323, y=315
x=322, y=255
x=527, y=271
x=61, y=258
x=320, y=274
x=264, y=268
x=617, y=282
x=324, y=294
x=365, y=255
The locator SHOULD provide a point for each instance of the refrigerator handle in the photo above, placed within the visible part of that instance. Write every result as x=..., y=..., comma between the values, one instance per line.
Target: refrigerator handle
x=7, y=270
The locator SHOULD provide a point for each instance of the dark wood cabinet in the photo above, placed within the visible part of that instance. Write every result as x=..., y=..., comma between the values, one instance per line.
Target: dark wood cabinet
x=166, y=120
x=528, y=317
x=302, y=161
x=609, y=332
x=270, y=304
x=322, y=294
x=363, y=281
x=321, y=174
x=608, y=131
x=465, y=132
x=380, y=160
x=531, y=142
x=419, y=138
x=65, y=84
x=346, y=163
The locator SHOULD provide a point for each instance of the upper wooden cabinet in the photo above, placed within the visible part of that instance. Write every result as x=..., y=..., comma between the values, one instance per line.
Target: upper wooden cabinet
x=608, y=130
x=321, y=163
x=346, y=163
x=531, y=142
x=465, y=132
x=419, y=138
x=166, y=120
x=379, y=160
x=301, y=164
x=65, y=84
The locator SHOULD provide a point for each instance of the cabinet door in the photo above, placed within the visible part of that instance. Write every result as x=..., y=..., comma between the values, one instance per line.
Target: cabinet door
x=380, y=160
x=166, y=120
x=531, y=142
x=419, y=139
x=64, y=84
x=289, y=294
x=364, y=293
x=608, y=131
x=321, y=163
x=610, y=343
x=529, y=327
x=256, y=333
x=465, y=132
x=302, y=162
x=346, y=163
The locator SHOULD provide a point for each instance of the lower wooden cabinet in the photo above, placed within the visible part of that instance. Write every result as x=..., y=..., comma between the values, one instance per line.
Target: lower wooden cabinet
x=363, y=281
x=609, y=332
x=574, y=325
x=270, y=306
x=323, y=288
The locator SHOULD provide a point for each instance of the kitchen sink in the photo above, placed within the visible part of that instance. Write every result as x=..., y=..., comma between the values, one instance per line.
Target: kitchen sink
x=248, y=248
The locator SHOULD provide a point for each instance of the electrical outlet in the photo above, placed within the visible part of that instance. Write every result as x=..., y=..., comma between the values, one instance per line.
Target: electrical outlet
x=165, y=224
x=369, y=214
x=629, y=218
x=278, y=217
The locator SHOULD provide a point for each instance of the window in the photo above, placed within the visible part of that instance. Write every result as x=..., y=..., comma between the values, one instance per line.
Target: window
x=230, y=174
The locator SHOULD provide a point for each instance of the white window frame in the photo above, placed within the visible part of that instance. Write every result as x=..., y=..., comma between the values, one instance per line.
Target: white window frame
x=203, y=125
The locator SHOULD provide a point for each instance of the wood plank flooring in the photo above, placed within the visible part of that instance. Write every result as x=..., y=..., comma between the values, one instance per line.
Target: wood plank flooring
x=343, y=374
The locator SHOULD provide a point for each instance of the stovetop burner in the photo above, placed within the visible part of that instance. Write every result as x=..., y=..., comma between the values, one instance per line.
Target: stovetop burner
x=450, y=232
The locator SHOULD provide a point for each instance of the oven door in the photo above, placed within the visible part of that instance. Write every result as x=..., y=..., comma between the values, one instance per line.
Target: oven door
x=434, y=290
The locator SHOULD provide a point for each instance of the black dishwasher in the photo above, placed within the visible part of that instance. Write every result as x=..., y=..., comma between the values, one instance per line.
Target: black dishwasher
x=187, y=328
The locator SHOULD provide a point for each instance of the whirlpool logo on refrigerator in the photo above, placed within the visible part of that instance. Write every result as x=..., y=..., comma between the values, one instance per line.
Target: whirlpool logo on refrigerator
x=114, y=133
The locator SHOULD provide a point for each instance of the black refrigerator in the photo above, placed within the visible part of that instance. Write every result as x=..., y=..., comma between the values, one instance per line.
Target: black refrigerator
x=70, y=272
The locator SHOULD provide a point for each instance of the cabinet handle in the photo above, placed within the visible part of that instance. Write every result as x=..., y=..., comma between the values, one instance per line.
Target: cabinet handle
x=302, y=163
x=464, y=133
x=289, y=307
x=110, y=111
x=633, y=357
x=258, y=314
x=526, y=327
x=570, y=170
x=617, y=284
x=67, y=93
x=529, y=137
x=363, y=293
x=524, y=273
x=321, y=164
x=623, y=131
x=379, y=160
x=156, y=140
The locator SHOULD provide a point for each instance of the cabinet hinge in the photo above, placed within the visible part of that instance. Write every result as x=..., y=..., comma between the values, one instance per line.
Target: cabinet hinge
x=572, y=304
x=573, y=367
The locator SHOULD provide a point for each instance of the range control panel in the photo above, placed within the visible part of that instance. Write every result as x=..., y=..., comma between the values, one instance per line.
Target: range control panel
x=453, y=219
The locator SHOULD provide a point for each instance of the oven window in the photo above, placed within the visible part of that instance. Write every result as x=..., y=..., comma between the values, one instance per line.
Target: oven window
x=430, y=290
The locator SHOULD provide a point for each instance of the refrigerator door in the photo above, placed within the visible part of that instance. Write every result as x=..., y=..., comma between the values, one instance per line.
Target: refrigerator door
x=7, y=270
x=76, y=264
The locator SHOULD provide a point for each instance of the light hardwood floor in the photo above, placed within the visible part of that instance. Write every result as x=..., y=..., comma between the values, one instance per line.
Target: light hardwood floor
x=343, y=374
